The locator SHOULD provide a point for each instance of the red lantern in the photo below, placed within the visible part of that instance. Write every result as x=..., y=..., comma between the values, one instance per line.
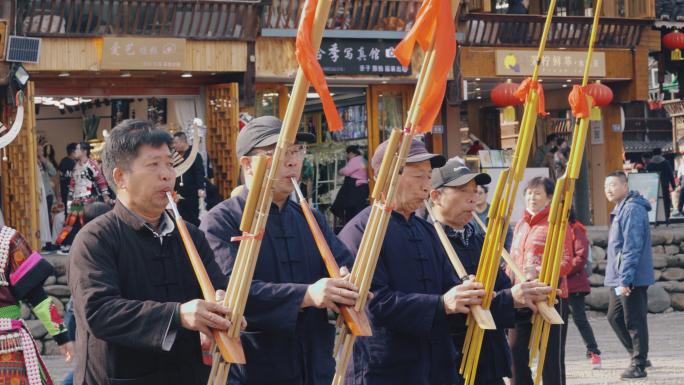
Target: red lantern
x=674, y=41
x=602, y=95
x=502, y=95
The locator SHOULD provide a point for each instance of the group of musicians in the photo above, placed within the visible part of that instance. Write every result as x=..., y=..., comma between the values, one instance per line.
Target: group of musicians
x=138, y=304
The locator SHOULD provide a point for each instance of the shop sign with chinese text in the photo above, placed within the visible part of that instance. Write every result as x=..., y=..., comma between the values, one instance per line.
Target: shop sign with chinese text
x=360, y=57
x=553, y=63
x=132, y=53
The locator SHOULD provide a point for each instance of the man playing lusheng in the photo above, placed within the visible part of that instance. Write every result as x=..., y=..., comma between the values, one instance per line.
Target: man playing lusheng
x=454, y=195
x=136, y=296
x=289, y=339
x=417, y=293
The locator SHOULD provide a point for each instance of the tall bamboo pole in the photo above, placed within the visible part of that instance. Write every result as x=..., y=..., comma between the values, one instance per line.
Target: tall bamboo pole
x=500, y=214
x=559, y=215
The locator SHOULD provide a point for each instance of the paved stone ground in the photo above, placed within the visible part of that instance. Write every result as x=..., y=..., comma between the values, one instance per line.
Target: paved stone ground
x=666, y=354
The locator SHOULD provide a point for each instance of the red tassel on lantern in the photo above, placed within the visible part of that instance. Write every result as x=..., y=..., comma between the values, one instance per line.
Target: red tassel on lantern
x=674, y=41
x=602, y=95
x=502, y=95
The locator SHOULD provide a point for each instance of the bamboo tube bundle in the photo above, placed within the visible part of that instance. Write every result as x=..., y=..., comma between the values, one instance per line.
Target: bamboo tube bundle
x=230, y=349
x=507, y=257
x=387, y=182
x=262, y=188
x=561, y=206
x=502, y=208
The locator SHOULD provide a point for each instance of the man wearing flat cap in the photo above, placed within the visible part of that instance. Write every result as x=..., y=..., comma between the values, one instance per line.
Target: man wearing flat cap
x=288, y=339
x=417, y=296
x=454, y=195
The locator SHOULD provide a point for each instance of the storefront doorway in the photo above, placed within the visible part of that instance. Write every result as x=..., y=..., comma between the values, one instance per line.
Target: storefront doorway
x=368, y=115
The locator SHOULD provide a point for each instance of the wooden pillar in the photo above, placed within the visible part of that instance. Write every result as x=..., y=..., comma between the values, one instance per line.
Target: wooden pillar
x=452, y=128
x=250, y=76
x=605, y=159
x=435, y=142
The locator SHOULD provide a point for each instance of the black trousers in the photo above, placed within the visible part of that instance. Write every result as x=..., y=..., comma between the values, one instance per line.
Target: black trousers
x=554, y=362
x=579, y=317
x=627, y=317
x=681, y=198
x=667, y=203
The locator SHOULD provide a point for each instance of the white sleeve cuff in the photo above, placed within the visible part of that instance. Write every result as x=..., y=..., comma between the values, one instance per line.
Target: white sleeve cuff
x=169, y=337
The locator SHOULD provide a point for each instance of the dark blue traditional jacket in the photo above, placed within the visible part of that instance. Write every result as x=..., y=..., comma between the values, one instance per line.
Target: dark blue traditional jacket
x=495, y=357
x=282, y=344
x=411, y=342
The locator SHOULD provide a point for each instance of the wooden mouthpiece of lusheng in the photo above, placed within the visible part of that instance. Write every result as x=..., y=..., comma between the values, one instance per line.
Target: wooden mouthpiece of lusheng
x=483, y=317
x=357, y=321
x=386, y=164
x=549, y=313
x=230, y=348
x=323, y=248
x=197, y=265
x=254, y=192
x=234, y=351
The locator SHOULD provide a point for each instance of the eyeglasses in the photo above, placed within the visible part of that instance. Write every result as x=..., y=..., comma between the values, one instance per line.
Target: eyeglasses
x=297, y=151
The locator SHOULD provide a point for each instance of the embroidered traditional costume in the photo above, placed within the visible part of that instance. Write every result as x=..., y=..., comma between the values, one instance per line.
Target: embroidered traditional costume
x=87, y=185
x=22, y=273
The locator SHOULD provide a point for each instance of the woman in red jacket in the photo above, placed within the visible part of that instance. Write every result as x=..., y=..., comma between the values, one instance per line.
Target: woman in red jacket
x=578, y=287
x=528, y=251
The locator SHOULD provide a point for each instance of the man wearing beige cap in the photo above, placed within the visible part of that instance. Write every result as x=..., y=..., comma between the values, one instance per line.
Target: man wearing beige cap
x=416, y=292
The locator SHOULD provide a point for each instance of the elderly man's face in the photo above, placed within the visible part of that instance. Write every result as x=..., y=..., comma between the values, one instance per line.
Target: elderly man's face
x=414, y=185
x=151, y=175
x=291, y=168
x=458, y=204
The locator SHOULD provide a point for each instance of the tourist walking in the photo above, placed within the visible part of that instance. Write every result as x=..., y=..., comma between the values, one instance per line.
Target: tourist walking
x=629, y=271
x=578, y=288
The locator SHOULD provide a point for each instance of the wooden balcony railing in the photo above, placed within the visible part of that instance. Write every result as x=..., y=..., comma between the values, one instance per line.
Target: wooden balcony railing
x=567, y=31
x=377, y=15
x=648, y=125
x=189, y=19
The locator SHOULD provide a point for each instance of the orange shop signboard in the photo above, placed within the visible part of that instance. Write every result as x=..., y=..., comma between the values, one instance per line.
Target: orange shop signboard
x=515, y=62
x=132, y=53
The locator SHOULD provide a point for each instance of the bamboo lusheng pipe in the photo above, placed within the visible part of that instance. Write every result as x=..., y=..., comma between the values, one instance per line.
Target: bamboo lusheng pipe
x=482, y=317
x=504, y=254
x=241, y=278
x=501, y=211
x=357, y=322
x=558, y=218
x=230, y=349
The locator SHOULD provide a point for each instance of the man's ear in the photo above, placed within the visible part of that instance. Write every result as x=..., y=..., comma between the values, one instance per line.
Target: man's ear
x=246, y=165
x=434, y=195
x=120, y=178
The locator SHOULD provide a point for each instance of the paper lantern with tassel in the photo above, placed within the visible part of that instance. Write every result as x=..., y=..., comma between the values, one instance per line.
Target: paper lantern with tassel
x=502, y=95
x=674, y=41
x=602, y=95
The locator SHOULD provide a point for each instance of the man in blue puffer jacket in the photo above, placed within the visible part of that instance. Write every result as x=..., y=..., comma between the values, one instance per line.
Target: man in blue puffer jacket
x=629, y=271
